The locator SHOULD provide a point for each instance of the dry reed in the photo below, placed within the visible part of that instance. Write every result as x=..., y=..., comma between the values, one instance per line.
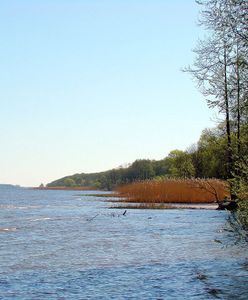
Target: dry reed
x=175, y=191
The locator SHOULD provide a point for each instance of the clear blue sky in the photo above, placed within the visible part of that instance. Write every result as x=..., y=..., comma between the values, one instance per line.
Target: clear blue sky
x=88, y=85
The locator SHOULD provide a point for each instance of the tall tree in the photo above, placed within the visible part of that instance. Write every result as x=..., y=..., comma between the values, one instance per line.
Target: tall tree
x=220, y=66
x=211, y=71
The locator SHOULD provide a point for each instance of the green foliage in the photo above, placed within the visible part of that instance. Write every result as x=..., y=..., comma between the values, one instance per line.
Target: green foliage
x=142, y=169
x=69, y=182
x=239, y=186
x=242, y=213
x=239, y=182
x=161, y=167
x=210, y=158
x=180, y=164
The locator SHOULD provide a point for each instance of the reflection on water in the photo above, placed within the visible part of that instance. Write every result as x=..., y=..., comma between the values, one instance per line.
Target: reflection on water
x=58, y=245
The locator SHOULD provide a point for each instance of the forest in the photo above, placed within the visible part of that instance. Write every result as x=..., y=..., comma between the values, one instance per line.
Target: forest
x=205, y=159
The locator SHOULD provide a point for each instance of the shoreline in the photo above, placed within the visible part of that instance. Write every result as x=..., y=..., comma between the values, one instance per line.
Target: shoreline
x=125, y=204
x=206, y=206
x=65, y=188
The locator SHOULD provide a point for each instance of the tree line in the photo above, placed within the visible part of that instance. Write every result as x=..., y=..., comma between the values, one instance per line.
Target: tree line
x=205, y=159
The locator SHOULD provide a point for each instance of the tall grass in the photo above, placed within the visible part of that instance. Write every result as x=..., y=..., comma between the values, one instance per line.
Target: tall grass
x=175, y=191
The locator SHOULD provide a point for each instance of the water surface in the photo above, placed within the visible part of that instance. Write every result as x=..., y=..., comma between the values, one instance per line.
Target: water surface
x=62, y=245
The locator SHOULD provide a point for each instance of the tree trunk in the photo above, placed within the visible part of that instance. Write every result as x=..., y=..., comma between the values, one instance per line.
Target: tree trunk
x=228, y=127
x=238, y=100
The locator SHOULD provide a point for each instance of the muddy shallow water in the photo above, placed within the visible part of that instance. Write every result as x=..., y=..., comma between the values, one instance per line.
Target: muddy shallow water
x=62, y=245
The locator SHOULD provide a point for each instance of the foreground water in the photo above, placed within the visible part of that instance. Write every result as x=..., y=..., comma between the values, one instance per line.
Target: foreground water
x=62, y=245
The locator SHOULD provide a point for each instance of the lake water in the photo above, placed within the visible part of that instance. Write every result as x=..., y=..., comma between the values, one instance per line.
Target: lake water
x=62, y=245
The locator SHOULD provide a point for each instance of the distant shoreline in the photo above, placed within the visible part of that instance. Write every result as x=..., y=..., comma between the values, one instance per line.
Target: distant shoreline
x=66, y=188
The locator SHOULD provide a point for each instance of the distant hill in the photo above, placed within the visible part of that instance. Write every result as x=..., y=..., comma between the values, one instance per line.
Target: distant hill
x=140, y=170
x=206, y=159
x=7, y=186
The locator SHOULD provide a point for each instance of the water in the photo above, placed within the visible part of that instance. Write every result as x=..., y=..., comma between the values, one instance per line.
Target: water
x=61, y=245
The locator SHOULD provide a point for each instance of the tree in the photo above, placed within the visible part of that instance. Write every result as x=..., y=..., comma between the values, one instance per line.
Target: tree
x=228, y=19
x=69, y=182
x=210, y=70
x=209, y=158
x=220, y=66
x=180, y=164
x=161, y=167
x=231, y=14
x=141, y=169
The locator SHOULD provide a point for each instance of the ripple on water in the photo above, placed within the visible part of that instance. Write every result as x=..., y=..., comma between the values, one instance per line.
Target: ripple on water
x=66, y=248
x=164, y=281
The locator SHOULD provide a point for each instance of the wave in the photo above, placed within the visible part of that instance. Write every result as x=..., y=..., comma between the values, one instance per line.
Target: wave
x=8, y=229
x=9, y=206
x=41, y=219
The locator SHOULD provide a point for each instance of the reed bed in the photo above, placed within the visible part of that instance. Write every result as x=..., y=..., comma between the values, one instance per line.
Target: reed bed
x=175, y=191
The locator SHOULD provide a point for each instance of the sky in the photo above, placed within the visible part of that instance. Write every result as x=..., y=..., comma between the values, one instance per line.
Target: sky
x=89, y=85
